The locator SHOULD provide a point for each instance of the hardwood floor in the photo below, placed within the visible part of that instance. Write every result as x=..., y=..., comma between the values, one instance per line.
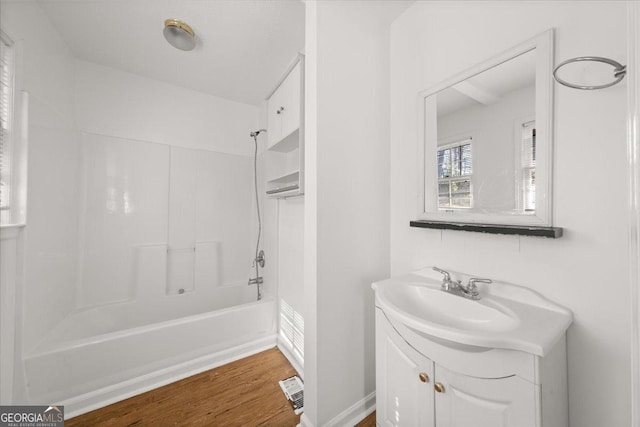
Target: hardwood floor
x=370, y=421
x=242, y=393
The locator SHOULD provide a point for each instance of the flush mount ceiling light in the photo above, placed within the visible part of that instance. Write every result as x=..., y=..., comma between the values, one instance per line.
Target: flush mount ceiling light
x=179, y=34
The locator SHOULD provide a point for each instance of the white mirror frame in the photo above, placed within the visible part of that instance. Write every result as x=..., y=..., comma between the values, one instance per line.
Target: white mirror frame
x=427, y=141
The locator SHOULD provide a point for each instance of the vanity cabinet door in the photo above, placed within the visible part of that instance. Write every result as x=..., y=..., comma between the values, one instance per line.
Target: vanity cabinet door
x=404, y=379
x=461, y=400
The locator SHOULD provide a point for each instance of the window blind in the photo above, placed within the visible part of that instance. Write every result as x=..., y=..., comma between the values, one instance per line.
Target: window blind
x=528, y=165
x=455, y=167
x=6, y=104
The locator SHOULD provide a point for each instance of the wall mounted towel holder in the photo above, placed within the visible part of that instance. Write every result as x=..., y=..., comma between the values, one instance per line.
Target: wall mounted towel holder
x=619, y=71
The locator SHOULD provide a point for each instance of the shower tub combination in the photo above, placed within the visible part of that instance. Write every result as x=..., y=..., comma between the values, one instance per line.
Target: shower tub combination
x=151, y=313
x=105, y=354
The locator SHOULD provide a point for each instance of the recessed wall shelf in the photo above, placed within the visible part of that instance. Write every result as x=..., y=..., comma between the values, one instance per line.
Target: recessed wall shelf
x=520, y=230
x=284, y=186
x=288, y=143
x=293, y=176
x=287, y=189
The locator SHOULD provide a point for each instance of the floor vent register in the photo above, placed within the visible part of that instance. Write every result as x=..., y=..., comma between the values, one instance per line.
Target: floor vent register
x=293, y=388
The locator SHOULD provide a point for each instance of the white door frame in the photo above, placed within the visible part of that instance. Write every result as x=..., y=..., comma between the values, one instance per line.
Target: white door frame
x=633, y=153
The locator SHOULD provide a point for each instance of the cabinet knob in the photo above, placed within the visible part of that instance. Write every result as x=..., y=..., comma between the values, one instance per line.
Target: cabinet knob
x=424, y=377
x=280, y=110
x=439, y=387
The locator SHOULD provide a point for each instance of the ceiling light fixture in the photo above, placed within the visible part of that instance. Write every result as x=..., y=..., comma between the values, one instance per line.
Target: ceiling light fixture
x=179, y=34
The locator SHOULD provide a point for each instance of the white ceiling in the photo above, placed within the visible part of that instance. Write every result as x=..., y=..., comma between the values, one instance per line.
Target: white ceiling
x=242, y=46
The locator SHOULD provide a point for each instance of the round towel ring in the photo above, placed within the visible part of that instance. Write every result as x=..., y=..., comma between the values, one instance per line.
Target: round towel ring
x=619, y=72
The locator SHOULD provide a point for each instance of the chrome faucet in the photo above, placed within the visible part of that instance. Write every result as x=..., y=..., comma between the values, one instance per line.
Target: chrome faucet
x=258, y=280
x=447, y=283
x=255, y=281
x=457, y=288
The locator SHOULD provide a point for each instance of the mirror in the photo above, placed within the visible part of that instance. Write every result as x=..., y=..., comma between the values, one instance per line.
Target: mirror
x=486, y=140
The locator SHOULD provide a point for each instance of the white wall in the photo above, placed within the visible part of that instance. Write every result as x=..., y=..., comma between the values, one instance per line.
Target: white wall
x=290, y=249
x=634, y=211
x=585, y=270
x=346, y=200
x=46, y=71
x=116, y=103
x=291, y=257
x=10, y=264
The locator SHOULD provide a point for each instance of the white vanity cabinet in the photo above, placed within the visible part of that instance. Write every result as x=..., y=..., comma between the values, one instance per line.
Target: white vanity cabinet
x=285, y=134
x=426, y=381
x=464, y=400
x=404, y=377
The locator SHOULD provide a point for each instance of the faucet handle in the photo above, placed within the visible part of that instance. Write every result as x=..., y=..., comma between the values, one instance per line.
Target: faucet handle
x=474, y=280
x=447, y=276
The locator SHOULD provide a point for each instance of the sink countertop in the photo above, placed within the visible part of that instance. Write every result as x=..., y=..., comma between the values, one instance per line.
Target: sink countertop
x=507, y=316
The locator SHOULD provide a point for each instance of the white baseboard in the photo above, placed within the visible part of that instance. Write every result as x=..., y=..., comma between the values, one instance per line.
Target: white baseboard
x=304, y=421
x=355, y=413
x=107, y=395
x=350, y=416
x=297, y=365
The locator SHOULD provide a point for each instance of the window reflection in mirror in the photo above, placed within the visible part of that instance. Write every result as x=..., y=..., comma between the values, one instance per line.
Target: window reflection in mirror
x=486, y=136
x=491, y=106
x=455, y=165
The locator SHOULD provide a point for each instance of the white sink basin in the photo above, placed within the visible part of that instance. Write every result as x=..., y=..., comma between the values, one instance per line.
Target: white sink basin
x=438, y=307
x=507, y=316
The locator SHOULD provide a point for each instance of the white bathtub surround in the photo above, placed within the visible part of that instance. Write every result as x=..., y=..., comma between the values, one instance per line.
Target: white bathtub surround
x=124, y=199
x=145, y=309
x=209, y=265
x=137, y=194
x=106, y=354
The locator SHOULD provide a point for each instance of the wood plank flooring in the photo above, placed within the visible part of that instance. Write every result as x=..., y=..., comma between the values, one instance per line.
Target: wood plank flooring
x=370, y=421
x=243, y=393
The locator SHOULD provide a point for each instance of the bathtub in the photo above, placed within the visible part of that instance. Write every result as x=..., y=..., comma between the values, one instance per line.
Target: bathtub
x=101, y=355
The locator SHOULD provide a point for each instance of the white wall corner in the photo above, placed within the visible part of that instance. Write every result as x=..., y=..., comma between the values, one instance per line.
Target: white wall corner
x=297, y=364
x=355, y=413
x=304, y=422
x=350, y=416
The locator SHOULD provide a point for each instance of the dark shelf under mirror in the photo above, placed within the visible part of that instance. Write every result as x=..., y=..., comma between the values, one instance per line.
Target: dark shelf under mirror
x=520, y=230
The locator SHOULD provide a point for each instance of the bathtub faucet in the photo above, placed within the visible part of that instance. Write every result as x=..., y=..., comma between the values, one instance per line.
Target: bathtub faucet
x=257, y=281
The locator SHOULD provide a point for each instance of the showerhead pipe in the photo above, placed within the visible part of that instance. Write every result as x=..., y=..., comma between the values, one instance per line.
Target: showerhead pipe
x=256, y=133
x=258, y=261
